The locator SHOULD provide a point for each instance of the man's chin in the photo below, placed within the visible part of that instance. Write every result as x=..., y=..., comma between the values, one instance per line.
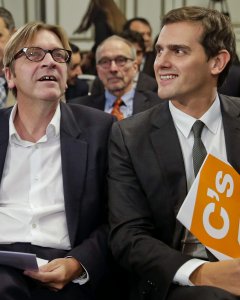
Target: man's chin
x=116, y=91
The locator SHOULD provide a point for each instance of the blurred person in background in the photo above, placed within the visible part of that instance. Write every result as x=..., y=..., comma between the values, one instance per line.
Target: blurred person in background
x=7, y=28
x=107, y=19
x=142, y=81
x=142, y=26
x=75, y=86
x=117, y=68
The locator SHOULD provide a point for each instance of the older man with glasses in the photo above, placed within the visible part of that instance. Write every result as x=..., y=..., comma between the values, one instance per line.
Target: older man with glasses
x=52, y=169
x=117, y=68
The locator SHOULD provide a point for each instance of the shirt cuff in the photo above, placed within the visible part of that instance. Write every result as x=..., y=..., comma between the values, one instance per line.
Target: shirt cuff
x=83, y=278
x=183, y=273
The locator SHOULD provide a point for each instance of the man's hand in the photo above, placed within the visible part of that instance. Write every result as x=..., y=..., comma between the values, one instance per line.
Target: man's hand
x=221, y=274
x=57, y=273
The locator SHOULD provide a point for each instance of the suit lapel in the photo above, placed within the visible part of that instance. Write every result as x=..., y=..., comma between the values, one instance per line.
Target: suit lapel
x=74, y=161
x=4, y=137
x=169, y=155
x=231, y=124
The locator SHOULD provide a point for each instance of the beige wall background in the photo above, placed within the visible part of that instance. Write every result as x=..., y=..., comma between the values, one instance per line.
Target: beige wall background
x=68, y=13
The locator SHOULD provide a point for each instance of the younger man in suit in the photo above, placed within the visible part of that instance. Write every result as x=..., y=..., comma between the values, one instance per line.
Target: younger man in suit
x=151, y=165
x=76, y=87
x=52, y=173
x=117, y=68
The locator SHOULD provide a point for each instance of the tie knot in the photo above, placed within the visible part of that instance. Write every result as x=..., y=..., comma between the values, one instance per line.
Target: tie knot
x=118, y=102
x=197, y=128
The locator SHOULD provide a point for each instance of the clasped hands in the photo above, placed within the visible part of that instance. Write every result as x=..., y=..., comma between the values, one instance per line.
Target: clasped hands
x=57, y=273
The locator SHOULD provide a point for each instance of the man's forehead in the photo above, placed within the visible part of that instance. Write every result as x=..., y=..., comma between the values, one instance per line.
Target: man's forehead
x=115, y=47
x=181, y=33
x=140, y=26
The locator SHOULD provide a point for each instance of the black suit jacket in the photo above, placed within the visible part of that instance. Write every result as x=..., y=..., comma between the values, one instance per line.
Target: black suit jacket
x=231, y=85
x=147, y=185
x=144, y=82
x=83, y=137
x=148, y=66
x=80, y=88
x=141, y=101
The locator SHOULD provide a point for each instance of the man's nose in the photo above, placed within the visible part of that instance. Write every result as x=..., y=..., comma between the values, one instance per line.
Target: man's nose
x=113, y=65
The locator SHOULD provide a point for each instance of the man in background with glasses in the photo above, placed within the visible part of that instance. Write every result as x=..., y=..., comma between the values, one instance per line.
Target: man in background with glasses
x=117, y=68
x=52, y=170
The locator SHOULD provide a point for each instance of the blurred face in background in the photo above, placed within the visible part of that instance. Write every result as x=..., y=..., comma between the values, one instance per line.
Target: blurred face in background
x=117, y=78
x=139, y=53
x=5, y=35
x=74, y=68
x=145, y=31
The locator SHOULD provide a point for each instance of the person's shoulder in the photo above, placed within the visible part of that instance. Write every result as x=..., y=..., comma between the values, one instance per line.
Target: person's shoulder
x=87, y=112
x=137, y=128
x=146, y=82
x=230, y=103
x=5, y=111
x=230, y=99
x=152, y=96
x=86, y=100
x=80, y=100
x=144, y=119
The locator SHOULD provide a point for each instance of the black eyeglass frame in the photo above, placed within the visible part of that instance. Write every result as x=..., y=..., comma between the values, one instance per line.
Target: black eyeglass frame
x=110, y=60
x=25, y=49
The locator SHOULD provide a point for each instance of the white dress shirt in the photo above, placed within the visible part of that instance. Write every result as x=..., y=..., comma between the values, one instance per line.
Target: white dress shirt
x=214, y=141
x=33, y=207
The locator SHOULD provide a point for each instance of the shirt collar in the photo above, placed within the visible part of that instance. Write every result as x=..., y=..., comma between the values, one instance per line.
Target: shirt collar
x=53, y=128
x=184, y=122
x=127, y=98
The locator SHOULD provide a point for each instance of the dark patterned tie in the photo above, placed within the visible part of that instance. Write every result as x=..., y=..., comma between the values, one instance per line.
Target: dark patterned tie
x=190, y=244
x=116, y=109
x=199, y=152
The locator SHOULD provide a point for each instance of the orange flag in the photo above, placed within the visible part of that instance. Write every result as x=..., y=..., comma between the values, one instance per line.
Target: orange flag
x=216, y=212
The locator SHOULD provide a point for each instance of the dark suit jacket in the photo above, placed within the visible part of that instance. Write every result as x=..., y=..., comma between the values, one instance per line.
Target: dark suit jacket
x=80, y=88
x=83, y=136
x=141, y=101
x=149, y=62
x=147, y=185
x=231, y=85
x=145, y=82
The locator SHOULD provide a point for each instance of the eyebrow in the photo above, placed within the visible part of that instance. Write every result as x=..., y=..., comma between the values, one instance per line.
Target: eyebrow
x=177, y=46
x=173, y=47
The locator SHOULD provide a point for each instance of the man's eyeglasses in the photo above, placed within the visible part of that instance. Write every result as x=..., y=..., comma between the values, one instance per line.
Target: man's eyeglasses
x=120, y=61
x=37, y=54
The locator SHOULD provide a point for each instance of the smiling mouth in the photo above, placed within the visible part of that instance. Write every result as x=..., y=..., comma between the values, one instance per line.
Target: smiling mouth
x=167, y=77
x=48, y=78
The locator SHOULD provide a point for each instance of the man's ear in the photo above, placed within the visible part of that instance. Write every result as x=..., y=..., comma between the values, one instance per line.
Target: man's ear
x=9, y=77
x=219, y=62
x=135, y=66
